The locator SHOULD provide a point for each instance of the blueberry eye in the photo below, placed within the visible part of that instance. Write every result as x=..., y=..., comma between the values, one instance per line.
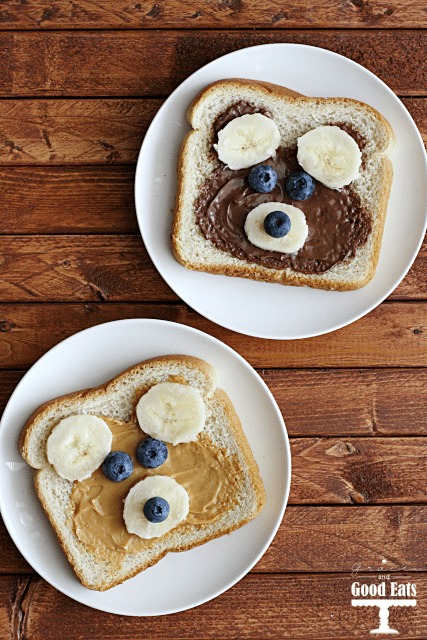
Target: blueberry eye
x=262, y=178
x=152, y=453
x=117, y=466
x=300, y=185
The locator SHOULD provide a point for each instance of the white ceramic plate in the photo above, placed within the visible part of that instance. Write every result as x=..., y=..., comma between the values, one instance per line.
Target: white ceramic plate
x=269, y=310
x=181, y=580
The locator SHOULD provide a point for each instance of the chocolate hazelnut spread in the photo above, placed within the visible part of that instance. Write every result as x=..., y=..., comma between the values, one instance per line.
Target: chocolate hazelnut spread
x=207, y=472
x=338, y=223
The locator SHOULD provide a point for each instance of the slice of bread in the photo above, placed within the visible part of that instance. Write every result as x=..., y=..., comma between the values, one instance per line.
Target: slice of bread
x=116, y=400
x=294, y=115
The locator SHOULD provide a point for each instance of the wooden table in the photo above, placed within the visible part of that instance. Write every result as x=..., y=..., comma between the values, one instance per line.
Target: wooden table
x=80, y=81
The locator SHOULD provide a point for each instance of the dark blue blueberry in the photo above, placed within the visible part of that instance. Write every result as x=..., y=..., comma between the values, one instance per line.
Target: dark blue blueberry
x=277, y=224
x=300, y=185
x=156, y=509
x=152, y=453
x=117, y=466
x=262, y=178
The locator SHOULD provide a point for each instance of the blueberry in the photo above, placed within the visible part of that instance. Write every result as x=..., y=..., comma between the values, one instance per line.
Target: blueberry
x=262, y=178
x=117, y=466
x=152, y=453
x=277, y=224
x=300, y=185
x=156, y=509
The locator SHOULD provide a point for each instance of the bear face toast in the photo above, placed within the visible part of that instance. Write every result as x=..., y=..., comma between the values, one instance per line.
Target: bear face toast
x=320, y=165
x=153, y=461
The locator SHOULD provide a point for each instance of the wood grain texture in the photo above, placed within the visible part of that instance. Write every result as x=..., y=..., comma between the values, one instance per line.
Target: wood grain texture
x=394, y=334
x=358, y=471
x=82, y=132
x=71, y=268
x=120, y=63
x=11, y=561
x=91, y=200
x=93, y=131
x=322, y=539
x=72, y=14
x=351, y=402
x=116, y=268
x=8, y=382
x=344, y=539
x=365, y=402
x=315, y=607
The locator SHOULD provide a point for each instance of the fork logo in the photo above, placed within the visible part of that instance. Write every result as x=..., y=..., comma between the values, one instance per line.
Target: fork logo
x=384, y=603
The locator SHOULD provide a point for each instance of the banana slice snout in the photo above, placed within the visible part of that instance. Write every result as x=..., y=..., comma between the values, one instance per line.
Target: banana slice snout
x=330, y=155
x=154, y=487
x=247, y=140
x=291, y=242
x=78, y=445
x=171, y=412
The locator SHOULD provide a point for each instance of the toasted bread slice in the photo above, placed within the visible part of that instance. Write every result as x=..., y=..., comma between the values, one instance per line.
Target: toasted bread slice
x=116, y=400
x=294, y=114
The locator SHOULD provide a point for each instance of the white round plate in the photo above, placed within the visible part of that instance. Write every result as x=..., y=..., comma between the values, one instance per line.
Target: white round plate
x=270, y=310
x=181, y=580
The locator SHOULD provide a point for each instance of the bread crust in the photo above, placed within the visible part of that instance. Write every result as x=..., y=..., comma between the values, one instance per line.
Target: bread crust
x=233, y=424
x=257, y=272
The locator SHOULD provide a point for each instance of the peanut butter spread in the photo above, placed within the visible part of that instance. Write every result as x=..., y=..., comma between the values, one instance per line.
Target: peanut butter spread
x=209, y=475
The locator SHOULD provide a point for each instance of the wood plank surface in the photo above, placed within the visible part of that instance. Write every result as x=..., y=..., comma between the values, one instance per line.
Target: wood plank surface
x=307, y=606
x=72, y=14
x=365, y=402
x=82, y=132
x=93, y=131
x=68, y=268
x=321, y=540
x=121, y=63
x=358, y=471
x=394, y=334
x=351, y=402
x=116, y=268
x=90, y=200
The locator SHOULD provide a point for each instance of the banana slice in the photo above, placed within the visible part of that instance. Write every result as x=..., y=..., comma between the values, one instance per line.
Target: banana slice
x=155, y=487
x=330, y=155
x=78, y=445
x=291, y=242
x=171, y=412
x=247, y=140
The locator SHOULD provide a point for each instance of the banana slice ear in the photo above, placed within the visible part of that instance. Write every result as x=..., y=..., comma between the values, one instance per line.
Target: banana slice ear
x=171, y=412
x=78, y=445
x=247, y=140
x=330, y=155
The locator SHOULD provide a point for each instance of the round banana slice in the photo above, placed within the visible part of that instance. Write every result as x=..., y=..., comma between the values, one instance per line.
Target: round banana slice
x=155, y=487
x=330, y=155
x=78, y=445
x=172, y=412
x=247, y=140
x=291, y=242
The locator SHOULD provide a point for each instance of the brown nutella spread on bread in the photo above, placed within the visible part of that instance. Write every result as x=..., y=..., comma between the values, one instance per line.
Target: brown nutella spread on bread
x=207, y=473
x=338, y=223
